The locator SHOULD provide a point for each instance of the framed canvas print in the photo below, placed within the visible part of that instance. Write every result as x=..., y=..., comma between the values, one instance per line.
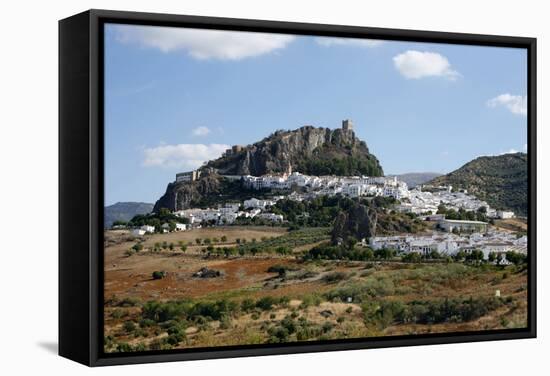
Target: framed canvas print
x=235, y=187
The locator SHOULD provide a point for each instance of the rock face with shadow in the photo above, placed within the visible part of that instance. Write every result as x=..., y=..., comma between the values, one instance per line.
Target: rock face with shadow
x=358, y=222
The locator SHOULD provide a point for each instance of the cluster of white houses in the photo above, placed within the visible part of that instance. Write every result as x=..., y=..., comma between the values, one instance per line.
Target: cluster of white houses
x=352, y=186
x=147, y=229
x=426, y=202
x=491, y=241
x=229, y=212
x=414, y=201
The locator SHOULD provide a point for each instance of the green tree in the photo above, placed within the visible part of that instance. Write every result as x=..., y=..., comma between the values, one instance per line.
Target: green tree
x=158, y=274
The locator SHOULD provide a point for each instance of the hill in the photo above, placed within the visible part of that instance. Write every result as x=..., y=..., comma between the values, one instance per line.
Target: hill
x=500, y=180
x=124, y=211
x=416, y=178
x=309, y=150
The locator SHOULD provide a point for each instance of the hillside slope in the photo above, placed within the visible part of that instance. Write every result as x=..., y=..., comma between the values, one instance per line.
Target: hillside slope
x=416, y=178
x=124, y=211
x=500, y=180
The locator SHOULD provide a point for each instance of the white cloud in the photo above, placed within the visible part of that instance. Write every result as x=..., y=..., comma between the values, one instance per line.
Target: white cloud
x=188, y=156
x=201, y=131
x=416, y=64
x=516, y=104
x=203, y=44
x=525, y=148
x=355, y=42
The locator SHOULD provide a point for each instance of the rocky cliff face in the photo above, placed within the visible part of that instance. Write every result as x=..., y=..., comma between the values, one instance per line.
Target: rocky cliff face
x=308, y=150
x=184, y=195
x=358, y=222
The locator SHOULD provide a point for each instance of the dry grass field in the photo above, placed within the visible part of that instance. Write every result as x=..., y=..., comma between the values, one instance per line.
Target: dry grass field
x=269, y=297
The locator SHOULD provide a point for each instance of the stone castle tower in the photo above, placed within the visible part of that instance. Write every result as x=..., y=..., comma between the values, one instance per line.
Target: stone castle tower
x=347, y=125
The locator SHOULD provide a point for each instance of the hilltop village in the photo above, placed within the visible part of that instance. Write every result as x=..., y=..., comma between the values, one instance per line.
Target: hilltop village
x=424, y=202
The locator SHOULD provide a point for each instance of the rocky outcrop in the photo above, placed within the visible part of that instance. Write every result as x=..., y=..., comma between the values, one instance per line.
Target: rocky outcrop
x=308, y=150
x=359, y=222
x=184, y=195
x=205, y=272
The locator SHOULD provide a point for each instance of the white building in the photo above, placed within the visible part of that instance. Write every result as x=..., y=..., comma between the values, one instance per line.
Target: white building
x=504, y=214
x=187, y=176
x=138, y=232
x=149, y=229
x=271, y=217
x=257, y=204
x=452, y=224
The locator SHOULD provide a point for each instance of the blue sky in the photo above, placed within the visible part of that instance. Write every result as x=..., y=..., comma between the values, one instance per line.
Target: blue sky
x=177, y=97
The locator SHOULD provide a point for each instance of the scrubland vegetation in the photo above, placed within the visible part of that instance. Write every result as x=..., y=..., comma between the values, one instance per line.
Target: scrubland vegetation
x=310, y=291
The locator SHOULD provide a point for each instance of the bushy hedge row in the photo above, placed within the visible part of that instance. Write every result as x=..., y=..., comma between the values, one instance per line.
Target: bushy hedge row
x=188, y=310
x=340, y=252
x=385, y=313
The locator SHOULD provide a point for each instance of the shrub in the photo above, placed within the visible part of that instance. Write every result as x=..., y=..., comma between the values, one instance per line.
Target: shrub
x=128, y=302
x=224, y=238
x=159, y=274
x=278, y=335
x=129, y=326
x=124, y=347
x=145, y=323
x=266, y=303
x=248, y=305
x=280, y=269
x=411, y=257
x=334, y=277
x=310, y=300
x=118, y=313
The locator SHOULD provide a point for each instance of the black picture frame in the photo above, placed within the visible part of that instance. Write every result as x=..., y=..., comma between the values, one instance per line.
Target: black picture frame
x=81, y=185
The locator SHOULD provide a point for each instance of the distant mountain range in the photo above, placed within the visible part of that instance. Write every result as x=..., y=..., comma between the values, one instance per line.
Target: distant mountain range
x=416, y=178
x=500, y=180
x=124, y=211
